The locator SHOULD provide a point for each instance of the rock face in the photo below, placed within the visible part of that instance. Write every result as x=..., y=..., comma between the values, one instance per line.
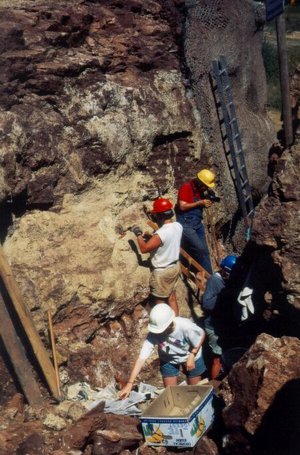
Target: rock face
x=276, y=228
x=295, y=101
x=96, y=112
x=251, y=394
x=232, y=29
x=94, y=115
x=87, y=89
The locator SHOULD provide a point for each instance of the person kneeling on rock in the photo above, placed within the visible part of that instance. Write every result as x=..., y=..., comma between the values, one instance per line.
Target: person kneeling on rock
x=179, y=342
x=218, y=317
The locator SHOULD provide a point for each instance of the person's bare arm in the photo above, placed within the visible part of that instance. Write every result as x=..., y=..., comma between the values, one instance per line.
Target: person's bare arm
x=190, y=363
x=185, y=206
x=152, y=244
x=135, y=371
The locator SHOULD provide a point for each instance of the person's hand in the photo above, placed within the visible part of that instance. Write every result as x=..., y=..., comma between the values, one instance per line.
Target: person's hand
x=136, y=230
x=190, y=363
x=206, y=202
x=147, y=236
x=125, y=391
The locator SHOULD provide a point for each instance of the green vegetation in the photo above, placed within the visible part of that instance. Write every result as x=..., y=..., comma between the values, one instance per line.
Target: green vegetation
x=269, y=51
x=292, y=20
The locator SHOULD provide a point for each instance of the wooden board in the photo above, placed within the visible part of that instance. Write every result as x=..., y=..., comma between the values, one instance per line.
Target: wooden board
x=19, y=361
x=26, y=320
x=198, y=278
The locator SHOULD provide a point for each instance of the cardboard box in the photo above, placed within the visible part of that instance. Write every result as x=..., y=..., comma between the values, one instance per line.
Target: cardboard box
x=179, y=417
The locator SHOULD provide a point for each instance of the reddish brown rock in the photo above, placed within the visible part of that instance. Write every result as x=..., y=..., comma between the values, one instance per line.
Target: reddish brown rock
x=276, y=228
x=106, y=433
x=21, y=435
x=76, y=436
x=17, y=402
x=51, y=54
x=8, y=386
x=295, y=102
x=32, y=445
x=253, y=384
x=206, y=446
x=124, y=437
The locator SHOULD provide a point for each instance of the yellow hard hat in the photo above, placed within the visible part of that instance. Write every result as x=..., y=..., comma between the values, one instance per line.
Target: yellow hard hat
x=207, y=177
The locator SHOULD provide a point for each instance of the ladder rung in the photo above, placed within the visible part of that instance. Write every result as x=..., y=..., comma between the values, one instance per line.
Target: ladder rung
x=232, y=120
x=229, y=104
x=245, y=183
x=236, y=136
x=247, y=198
x=222, y=71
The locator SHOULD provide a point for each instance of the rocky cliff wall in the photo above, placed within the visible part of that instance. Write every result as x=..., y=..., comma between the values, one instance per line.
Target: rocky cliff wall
x=89, y=89
x=94, y=116
x=97, y=111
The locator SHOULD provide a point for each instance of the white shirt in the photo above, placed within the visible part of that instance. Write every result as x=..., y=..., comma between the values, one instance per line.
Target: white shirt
x=170, y=236
x=175, y=347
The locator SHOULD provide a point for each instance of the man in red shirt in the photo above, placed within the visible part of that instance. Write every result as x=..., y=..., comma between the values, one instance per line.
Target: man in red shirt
x=191, y=201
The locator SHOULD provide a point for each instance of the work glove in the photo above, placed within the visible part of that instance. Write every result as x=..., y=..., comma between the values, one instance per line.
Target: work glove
x=136, y=230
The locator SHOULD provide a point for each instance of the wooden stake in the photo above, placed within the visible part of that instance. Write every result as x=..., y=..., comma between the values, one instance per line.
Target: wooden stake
x=19, y=361
x=54, y=352
x=28, y=325
x=284, y=80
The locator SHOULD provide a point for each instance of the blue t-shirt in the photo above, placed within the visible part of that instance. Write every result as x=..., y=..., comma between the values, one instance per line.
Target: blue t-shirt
x=215, y=284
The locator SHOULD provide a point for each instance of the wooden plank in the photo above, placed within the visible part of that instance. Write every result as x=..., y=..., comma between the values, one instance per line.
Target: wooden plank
x=284, y=80
x=194, y=263
x=28, y=325
x=200, y=283
x=54, y=353
x=16, y=352
x=200, y=277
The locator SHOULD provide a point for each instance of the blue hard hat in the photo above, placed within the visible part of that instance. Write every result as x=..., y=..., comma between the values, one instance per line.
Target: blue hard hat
x=228, y=262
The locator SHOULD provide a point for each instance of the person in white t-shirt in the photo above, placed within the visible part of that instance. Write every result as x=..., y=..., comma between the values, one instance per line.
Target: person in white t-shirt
x=179, y=343
x=164, y=249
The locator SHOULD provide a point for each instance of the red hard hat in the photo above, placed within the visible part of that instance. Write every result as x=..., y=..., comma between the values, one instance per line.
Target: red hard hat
x=161, y=205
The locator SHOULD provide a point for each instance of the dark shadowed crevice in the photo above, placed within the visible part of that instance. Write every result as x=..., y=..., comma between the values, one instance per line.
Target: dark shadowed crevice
x=16, y=208
x=5, y=220
x=161, y=140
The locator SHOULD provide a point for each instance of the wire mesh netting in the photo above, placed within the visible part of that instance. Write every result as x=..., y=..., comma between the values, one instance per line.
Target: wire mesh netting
x=208, y=13
x=230, y=28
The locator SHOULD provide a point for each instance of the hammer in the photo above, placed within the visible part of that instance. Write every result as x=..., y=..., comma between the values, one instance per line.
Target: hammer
x=121, y=231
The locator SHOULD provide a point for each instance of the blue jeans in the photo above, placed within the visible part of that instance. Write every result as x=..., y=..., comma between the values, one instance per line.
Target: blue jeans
x=194, y=241
x=168, y=369
x=213, y=341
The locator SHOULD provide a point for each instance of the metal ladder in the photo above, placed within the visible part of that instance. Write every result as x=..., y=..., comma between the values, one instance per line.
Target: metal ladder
x=229, y=119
